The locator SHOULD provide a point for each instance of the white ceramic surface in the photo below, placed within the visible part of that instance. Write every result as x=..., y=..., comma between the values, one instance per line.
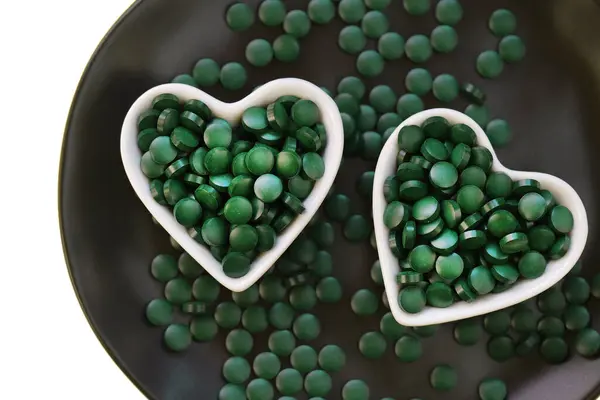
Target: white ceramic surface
x=232, y=112
x=523, y=289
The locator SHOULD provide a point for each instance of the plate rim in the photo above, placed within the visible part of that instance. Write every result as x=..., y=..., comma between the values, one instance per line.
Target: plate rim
x=61, y=170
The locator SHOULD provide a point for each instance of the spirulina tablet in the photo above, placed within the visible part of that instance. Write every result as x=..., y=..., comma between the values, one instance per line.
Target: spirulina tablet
x=444, y=39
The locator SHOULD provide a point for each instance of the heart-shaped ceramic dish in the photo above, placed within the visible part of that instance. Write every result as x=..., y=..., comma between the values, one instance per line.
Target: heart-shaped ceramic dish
x=522, y=290
x=232, y=112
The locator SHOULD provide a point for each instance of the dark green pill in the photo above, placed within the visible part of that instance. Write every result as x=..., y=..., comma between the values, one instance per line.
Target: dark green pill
x=177, y=337
x=159, y=312
x=489, y=64
x=260, y=389
x=501, y=348
x=412, y=299
x=370, y=63
x=178, y=291
x=391, y=46
x=439, y=295
x=351, y=11
x=481, y=280
x=374, y=24
x=444, y=39
x=239, y=17
x=467, y=332
x=408, y=348
x=550, y=326
x=554, y=350
x=418, y=81
x=587, y=342
x=445, y=87
x=576, y=317
x=502, y=22
x=352, y=40
x=511, y=48
x=271, y=12
x=443, y=377
x=372, y=345
x=233, y=76
x=418, y=48
x=561, y=219
x=532, y=265
x=417, y=7
x=492, y=389
x=436, y=127
x=148, y=119
x=497, y=323
x=355, y=389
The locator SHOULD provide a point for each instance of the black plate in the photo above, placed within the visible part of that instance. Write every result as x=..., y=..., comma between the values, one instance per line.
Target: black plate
x=551, y=100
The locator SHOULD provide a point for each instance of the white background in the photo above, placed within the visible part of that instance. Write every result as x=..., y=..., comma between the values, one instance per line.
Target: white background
x=47, y=349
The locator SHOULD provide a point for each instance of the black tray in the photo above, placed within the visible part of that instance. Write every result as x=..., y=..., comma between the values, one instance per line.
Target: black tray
x=552, y=101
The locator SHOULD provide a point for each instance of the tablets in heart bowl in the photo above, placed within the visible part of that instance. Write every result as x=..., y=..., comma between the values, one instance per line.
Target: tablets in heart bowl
x=233, y=184
x=460, y=235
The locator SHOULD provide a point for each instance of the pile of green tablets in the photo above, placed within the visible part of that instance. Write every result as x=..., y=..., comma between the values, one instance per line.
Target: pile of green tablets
x=234, y=187
x=459, y=229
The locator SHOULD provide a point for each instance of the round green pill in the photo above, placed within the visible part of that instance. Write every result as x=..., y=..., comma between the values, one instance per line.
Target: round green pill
x=227, y=315
x=489, y=64
x=444, y=39
x=370, y=63
x=321, y=11
x=408, y=348
x=501, y=348
x=177, y=337
x=554, y=350
x=409, y=104
x=282, y=343
x=351, y=11
x=418, y=48
x=445, y=88
x=357, y=228
x=233, y=76
x=532, y=265
x=505, y=273
x=374, y=24
x=576, y=317
x=467, y=332
x=523, y=320
x=286, y=47
x=550, y=326
x=492, y=389
x=449, y=12
x=353, y=86
x=304, y=359
x=497, y=323
x=239, y=17
x=552, y=302
x=498, y=184
x=187, y=212
x=236, y=370
x=243, y=238
x=418, y=81
x=297, y=23
x=271, y=12
x=259, y=52
x=481, y=280
x=439, y=294
x=532, y=206
x=449, y=267
x=364, y=302
x=417, y=7
x=239, y=342
x=214, y=232
x=306, y=327
x=178, y=291
x=576, y=290
x=162, y=150
x=444, y=176
x=352, y=39
x=372, y=345
x=443, y=377
x=502, y=223
x=499, y=133
x=163, y=267
x=313, y=166
x=502, y=22
x=159, y=312
x=329, y=290
x=260, y=389
x=412, y=299
x=470, y=198
x=238, y=210
x=451, y=213
x=289, y=382
x=391, y=46
x=355, y=389
x=232, y=392
x=587, y=342
x=206, y=289
x=561, y=219
x=266, y=365
x=203, y=328
x=511, y=48
x=332, y=358
x=317, y=383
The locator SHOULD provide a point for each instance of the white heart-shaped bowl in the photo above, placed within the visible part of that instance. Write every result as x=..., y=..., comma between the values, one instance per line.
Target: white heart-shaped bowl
x=232, y=112
x=523, y=289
